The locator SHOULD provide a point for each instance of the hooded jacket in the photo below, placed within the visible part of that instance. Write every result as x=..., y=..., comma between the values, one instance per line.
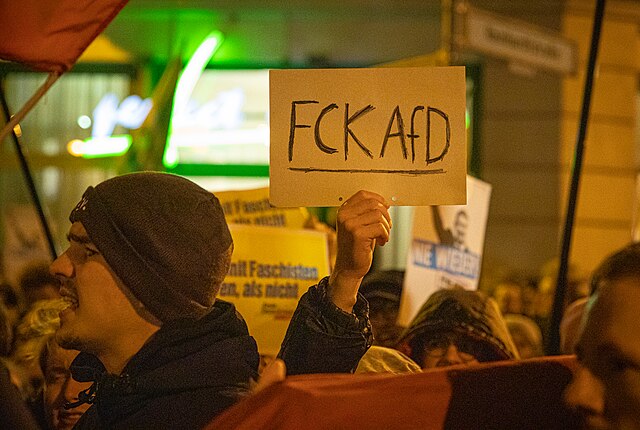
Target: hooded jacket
x=187, y=373
x=463, y=312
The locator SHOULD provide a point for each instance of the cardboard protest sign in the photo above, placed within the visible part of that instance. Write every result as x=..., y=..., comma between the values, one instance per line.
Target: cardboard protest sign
x=270, y=269
x=446, y=248
x=253, y=207
x=399, y=132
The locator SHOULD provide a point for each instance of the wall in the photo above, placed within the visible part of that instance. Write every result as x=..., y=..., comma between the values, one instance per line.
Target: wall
x=520, y=137
x=529, y=128
x=608, y=186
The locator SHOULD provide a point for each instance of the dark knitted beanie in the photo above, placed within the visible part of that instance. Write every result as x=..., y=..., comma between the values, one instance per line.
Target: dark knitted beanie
x=163, y=235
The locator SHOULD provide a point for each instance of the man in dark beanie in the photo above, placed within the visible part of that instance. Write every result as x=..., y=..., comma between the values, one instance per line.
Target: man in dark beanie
x=148, y=252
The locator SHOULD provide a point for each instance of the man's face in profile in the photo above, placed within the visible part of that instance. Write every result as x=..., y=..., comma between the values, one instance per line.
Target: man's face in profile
x=605, y=389
x=460, y=228
x=99, y=314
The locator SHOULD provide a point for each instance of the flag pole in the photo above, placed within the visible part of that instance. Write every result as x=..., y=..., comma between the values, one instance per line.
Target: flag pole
x=15, y=119
x=28, y=177
x=553, y=347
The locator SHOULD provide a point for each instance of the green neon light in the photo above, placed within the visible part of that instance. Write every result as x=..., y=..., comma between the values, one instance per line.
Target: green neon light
x=184, y=87
x=97, y=147
x=238, y=170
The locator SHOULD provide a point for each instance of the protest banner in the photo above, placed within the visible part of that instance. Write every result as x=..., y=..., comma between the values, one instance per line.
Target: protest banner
x=270, y=269
x=253, y=207
x=399, y=132
x=446, y=248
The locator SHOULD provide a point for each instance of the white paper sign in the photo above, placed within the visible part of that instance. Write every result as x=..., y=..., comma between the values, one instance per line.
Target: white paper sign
x=446, y=248
x=399, y=132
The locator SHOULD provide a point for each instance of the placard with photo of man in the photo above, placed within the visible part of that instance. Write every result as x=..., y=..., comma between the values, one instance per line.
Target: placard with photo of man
x=446, y=248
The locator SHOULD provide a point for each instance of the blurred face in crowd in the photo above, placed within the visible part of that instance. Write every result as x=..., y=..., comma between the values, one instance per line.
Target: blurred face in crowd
x=383, y=315
x=100, y=316
x=61, y=388
x=606, y=388
x=449, y=350
x=509, y=298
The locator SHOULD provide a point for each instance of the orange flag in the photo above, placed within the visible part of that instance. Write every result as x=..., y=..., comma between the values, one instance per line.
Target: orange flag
x=51, y=35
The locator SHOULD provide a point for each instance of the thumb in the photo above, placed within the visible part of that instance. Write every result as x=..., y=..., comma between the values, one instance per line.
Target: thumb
x=276, y=371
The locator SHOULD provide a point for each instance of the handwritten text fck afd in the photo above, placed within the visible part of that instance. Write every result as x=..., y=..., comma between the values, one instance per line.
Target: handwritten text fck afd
x=417, y=132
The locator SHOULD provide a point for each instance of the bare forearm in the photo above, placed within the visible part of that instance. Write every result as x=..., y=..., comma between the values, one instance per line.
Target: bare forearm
x=343, y=290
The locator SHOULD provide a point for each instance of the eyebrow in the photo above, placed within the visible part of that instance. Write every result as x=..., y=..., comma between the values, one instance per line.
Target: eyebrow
x=57, y=368
x=76, y=238
x=613, y=349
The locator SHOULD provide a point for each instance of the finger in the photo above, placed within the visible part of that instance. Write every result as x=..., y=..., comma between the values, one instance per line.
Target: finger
x=365, y=195
x=361, y=207
x=367, y=218
x=276, y=371
x=377, y=232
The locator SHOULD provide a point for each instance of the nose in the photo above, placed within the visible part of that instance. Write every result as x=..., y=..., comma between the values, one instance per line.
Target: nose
x=585, y=393
x=450, y=357
x=62, y=267
x=72, y=388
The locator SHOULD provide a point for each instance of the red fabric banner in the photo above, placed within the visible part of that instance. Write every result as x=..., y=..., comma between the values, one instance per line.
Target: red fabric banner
x=506, y=395
x=51, y=35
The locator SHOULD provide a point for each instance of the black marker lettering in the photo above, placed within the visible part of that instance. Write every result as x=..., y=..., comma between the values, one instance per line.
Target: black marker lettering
x=347, y=131
x=324, y=148
x=448, y=128
x=293, y=125
x=400, y=133
x=413, y=136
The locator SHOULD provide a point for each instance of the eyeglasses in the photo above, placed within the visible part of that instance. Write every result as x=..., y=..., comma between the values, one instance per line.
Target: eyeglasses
x=437, y=346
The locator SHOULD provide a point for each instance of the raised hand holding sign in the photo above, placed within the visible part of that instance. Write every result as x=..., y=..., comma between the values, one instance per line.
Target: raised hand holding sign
x=363, y=223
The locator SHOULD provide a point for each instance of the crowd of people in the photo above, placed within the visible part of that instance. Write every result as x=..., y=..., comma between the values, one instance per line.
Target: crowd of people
x=123, y=330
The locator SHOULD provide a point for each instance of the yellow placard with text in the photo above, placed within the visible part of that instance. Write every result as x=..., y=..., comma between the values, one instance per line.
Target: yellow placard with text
x=253, y=207
x=270, y=269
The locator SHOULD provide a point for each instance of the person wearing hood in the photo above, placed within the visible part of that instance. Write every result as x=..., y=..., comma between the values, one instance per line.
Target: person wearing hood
x=147, y=254
x=457, y=327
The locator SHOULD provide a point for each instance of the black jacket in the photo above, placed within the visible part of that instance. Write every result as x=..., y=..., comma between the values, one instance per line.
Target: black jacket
x=322, y=338
x=186, y=374
x=189, y=372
